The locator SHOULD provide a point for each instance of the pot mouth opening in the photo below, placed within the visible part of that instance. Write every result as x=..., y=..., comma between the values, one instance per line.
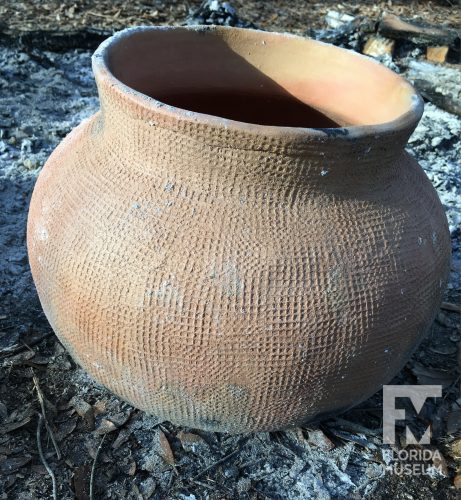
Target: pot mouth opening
x=256, y=81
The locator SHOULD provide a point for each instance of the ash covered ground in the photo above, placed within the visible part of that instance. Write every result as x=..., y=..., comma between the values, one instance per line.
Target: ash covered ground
x=43, y=95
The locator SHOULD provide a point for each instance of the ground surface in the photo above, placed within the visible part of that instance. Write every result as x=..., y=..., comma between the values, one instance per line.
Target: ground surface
x=276, y=15
x=43, y=95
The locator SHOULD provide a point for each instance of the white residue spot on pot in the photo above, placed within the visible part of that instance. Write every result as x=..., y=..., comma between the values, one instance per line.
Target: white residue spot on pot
x=434, y=238
x=41, y=232
x=231, y=281
x=420, y=241
x=402, y=291
x=324, y=172
x=167, y=294
x=229, y=278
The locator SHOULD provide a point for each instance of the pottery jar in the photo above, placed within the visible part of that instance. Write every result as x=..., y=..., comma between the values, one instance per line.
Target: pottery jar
x=237, y=241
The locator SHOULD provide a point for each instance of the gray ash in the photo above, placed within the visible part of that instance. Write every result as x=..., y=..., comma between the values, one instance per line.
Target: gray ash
x=214, y=12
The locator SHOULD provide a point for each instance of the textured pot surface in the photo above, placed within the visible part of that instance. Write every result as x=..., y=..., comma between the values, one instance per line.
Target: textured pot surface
x=234, y=265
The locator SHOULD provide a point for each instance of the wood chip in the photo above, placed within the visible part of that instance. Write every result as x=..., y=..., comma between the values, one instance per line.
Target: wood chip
x=437, y=54
x=335, y=19
x=393, y=26
x=377, y=46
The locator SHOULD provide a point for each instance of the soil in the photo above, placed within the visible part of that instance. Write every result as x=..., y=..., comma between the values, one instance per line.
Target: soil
x=128, y=454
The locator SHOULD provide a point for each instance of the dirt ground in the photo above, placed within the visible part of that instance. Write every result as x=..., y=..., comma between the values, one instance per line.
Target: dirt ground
x=283, y=15
x=101, y=443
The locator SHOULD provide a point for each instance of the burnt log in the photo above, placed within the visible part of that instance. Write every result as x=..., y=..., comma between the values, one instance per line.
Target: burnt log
x=420, y=33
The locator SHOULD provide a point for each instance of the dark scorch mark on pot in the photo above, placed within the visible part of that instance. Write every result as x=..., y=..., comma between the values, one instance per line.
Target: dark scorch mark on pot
x=333, y=132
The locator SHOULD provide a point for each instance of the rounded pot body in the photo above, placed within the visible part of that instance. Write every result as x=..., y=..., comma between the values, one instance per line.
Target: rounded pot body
x=231, y=276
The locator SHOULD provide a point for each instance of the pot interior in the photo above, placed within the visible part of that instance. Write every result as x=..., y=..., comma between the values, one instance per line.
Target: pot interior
x=257, y=77
x=259, y=107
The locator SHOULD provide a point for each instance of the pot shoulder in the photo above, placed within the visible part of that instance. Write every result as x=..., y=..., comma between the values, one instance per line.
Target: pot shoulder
x=94, y=208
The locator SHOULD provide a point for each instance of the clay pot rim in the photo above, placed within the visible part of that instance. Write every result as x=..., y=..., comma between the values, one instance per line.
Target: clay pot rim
x=403, y=123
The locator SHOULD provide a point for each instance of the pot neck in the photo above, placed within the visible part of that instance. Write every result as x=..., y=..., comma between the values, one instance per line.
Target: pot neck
x=202, y=149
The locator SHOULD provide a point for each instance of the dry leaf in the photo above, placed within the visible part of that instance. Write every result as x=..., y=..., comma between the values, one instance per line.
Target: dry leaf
x=81, y=481
x=457, y=482
x=455, y=448
x=189, y=441
x=122, y=438
x=105, y=427
x=11, y=465
x=166, y=451
x=317, y=438
x=85, y=410
x=132, y=469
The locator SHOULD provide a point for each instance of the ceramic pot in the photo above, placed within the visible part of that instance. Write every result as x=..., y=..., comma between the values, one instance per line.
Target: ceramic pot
x=238, y=241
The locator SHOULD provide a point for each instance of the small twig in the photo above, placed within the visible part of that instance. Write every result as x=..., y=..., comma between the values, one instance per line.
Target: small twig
x=448, y=306
x=41, y=400
x=352, y=426
x=27, y=346
x=451, y=387
x=204, y=485
x=42, y=456
x=215, y=486
x=262, y=495
x=19, y=348
x=253, y=462
x=93, y=468
x=97, y=14
x=215, y=464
